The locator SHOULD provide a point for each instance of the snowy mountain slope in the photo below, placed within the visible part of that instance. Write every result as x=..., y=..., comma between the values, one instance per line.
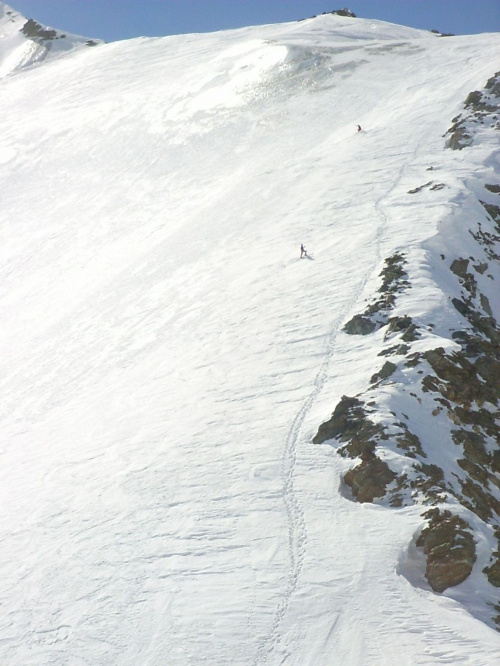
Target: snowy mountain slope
x=168, y=358
x=434, y=438
x=24, y=42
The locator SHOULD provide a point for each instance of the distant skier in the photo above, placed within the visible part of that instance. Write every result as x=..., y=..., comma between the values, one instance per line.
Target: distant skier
x=359, y=128
x=303, y=251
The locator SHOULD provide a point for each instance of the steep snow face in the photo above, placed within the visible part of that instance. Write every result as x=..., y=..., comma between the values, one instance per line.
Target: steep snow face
x=166, y=356
x=24, y=42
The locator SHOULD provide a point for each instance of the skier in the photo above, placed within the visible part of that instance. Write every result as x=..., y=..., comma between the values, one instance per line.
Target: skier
x=359, y=128
x=303, y=251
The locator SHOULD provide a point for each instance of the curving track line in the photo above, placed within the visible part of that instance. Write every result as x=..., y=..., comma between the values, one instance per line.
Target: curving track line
x=297, y=530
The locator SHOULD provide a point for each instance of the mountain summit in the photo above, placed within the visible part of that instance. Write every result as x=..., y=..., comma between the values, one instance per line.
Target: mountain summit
x=215, y=450
x=25, y=42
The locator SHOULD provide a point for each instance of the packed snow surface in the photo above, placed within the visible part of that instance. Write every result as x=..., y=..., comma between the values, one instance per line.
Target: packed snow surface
x=167, y=357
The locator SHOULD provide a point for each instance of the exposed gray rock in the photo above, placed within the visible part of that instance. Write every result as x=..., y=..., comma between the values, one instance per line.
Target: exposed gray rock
x=448, y=543
x=411, y=444
x=420, y=188
x=494, y=213
x=375, y=315
x=369, y=479
x=385, y=371
x=473, y=99
x=403, y=325
x=34, y=30
x=349, y=423
x=399, y=350
x=481, y=108
x=359, y=325
x=343, y=12
x=459, y=267
x=492, y=571
x=459, y=137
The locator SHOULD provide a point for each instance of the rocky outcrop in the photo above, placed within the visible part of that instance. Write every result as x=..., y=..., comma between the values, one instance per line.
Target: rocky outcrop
x=449, y=546
x=481, y=108
x=492, y=571
x=34, y=30
x=385, y=371
x=459, y=136
x=40, y=34
x=349, y=423
x=394, y=280
x=430, y=185
x=443, y=34
x=339, y=12
x=343, y=12
x=370, y=479
x=360, y=325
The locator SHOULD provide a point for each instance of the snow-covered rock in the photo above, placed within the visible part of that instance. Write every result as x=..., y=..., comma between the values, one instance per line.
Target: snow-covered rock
x=25, y=42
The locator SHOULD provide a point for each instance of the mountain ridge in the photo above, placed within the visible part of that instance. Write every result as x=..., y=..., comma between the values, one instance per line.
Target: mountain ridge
x=26, y=43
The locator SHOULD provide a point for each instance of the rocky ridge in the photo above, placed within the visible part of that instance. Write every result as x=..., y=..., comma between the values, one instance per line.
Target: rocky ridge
x=454, y=386
x=481, y=108
x=25, y=42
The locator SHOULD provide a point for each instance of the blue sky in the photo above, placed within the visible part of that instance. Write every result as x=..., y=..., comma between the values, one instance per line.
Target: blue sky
x=122, y=19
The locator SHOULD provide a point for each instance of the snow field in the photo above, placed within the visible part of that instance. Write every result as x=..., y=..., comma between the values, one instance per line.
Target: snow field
x=168, y=357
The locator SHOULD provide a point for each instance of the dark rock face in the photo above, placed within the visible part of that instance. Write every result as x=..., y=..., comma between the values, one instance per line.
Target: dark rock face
x=340, y=12
x=403, y=325
x=410, y=443
x=443, y=34
x=344, y=12
x=494, y=213
x=370, y=479
x=385, y=371
x=34, y=30
x=349, y=424
x=459, y=267
x=431, y=185
x=360, y=325
x=459, y=380
x=394, y=280
x=493, y=570
x=459, y=137
x=493, y=573
x=399, y=350
x=37, y=33
x=448, y=543
x=481, y=107
x=468, y=382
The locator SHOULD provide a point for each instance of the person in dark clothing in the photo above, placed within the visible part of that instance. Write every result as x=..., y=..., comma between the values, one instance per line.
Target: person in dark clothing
x=359, y=128
x=303, y=251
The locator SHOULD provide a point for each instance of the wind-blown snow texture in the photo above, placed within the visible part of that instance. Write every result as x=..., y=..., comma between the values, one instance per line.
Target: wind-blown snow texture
x=167, y=358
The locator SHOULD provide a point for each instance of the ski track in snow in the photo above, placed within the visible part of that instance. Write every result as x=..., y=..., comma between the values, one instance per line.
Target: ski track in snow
x=297, y=531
